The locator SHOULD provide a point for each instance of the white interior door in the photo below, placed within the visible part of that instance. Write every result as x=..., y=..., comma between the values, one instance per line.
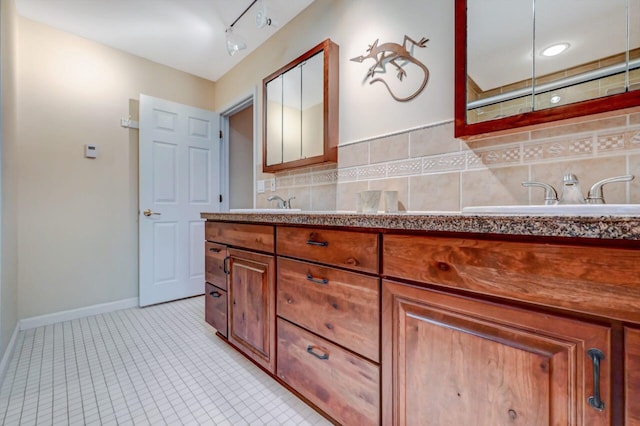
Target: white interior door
x=179, y=179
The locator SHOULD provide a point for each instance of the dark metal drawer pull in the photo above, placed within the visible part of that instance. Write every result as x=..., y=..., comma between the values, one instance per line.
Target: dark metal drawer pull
x=317, y=280
x=215, y=250
x=317, y=243
x=216, y=294
x=310, y=349
x=595, y=401
x=312, y=242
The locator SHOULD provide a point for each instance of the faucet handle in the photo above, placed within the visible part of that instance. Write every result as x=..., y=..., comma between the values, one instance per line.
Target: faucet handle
x=287, y=204
x=550, y=193
x=596, y=195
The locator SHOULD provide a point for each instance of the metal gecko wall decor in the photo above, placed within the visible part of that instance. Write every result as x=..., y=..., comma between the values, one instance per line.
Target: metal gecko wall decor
x=395, y=54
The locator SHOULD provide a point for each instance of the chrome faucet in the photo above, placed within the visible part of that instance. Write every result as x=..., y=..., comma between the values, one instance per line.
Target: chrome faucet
x=571, y=192
x=282, y=203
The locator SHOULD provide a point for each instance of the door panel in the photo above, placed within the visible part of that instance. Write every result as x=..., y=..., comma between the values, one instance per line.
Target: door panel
x=632, y=376
x=251, y=305
x=178, y=171
x=454, y=360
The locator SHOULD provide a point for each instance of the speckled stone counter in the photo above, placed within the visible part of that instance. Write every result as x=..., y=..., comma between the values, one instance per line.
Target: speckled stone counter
x=595, y=227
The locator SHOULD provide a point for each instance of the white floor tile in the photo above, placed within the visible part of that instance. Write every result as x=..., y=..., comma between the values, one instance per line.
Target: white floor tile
x=152, y=366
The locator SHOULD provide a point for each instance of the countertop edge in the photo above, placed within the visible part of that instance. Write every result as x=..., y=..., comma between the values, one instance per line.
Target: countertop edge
x=589, y=227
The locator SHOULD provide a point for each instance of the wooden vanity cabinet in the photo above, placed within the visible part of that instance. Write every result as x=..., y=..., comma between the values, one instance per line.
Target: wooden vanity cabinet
x=632, y=376
x=240, y=288
x=329, y=320
x=451, y=360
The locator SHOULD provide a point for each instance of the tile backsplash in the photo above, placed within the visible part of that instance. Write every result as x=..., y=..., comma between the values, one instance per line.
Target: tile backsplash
x=433, y=171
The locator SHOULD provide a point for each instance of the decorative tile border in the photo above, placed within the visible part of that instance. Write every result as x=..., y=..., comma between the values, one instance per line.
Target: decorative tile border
x=516, y=151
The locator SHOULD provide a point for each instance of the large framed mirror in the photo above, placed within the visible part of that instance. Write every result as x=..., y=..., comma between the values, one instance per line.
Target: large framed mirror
x=526, y=62
x=300, y=111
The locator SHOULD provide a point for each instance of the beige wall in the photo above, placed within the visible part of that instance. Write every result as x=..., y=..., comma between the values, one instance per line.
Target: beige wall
x=409, y=146
x=365, y=110
x=78, y=217
x=9, y=179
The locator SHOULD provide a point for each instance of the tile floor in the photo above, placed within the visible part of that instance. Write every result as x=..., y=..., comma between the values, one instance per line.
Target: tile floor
x=157, y=365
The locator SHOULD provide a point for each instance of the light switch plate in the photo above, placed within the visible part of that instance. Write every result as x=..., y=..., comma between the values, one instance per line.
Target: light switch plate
x=272, y=182
x=260, y=188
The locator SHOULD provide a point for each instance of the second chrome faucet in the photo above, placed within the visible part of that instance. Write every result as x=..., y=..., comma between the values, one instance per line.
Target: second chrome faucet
x=571, y=191
x=282, y=203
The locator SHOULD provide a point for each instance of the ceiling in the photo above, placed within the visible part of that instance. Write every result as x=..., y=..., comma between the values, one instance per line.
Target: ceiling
x=500, y=42
x=188, y=35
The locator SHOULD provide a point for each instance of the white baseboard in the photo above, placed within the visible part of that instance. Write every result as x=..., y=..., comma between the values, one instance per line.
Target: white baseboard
x=72, y=314
x=8, y=352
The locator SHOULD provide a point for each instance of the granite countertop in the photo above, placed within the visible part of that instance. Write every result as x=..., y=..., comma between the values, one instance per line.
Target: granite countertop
x=596, y=227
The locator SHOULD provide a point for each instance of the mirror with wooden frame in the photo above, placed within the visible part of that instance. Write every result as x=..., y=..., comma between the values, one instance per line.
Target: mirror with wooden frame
x=300, y=111
x=506, y=72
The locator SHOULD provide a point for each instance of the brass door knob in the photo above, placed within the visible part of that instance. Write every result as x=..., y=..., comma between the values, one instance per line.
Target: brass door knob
x=148, y=213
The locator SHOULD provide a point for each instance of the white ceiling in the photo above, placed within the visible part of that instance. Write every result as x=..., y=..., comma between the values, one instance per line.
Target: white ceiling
x=188, y=35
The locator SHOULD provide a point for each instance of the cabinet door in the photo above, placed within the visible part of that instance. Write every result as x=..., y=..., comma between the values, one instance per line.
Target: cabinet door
x=632, y=375
x=451, y=360
x=252, y=306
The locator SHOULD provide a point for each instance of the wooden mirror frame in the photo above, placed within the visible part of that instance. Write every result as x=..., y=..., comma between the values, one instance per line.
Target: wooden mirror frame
x=330, y=108
x=577, y=109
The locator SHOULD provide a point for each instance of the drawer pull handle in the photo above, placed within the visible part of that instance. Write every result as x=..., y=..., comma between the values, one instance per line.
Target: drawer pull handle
x=311, y=278
x=312, y=242
x=216, y=294
x=317, y=243
x=225, y=265
x=322, y=356
x=215, y=250
x=595, y=401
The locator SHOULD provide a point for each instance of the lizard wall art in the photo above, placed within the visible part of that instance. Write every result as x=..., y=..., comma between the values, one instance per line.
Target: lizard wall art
x=398, y=55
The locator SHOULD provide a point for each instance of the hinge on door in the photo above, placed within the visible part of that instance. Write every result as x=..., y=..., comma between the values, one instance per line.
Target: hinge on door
x=220, y=197
x=220, y=134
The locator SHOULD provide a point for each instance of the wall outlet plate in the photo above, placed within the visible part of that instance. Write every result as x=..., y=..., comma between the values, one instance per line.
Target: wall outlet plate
x=260, y=189
x=272, y=182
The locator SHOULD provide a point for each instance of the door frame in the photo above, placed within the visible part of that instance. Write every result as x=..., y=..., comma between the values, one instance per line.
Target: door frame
x=241, y=103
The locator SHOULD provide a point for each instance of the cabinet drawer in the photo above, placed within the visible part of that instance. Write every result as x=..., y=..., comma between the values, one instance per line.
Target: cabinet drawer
x=341, y=384
x=255, y=237
x=596, y=280
x=214, y=264
x=343, y=307
x=215, y=308
x=353, y=250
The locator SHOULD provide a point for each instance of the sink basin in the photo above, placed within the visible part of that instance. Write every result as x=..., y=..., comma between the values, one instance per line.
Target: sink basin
x=264, y=210
x=559, y=210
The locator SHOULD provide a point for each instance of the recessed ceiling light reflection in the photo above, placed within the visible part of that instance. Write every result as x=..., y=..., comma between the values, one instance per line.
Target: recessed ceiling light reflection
x=555, y=99
x=554, y=49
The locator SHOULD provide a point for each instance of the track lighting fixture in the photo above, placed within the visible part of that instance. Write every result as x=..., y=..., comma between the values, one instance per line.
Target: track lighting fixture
x=235, y=42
